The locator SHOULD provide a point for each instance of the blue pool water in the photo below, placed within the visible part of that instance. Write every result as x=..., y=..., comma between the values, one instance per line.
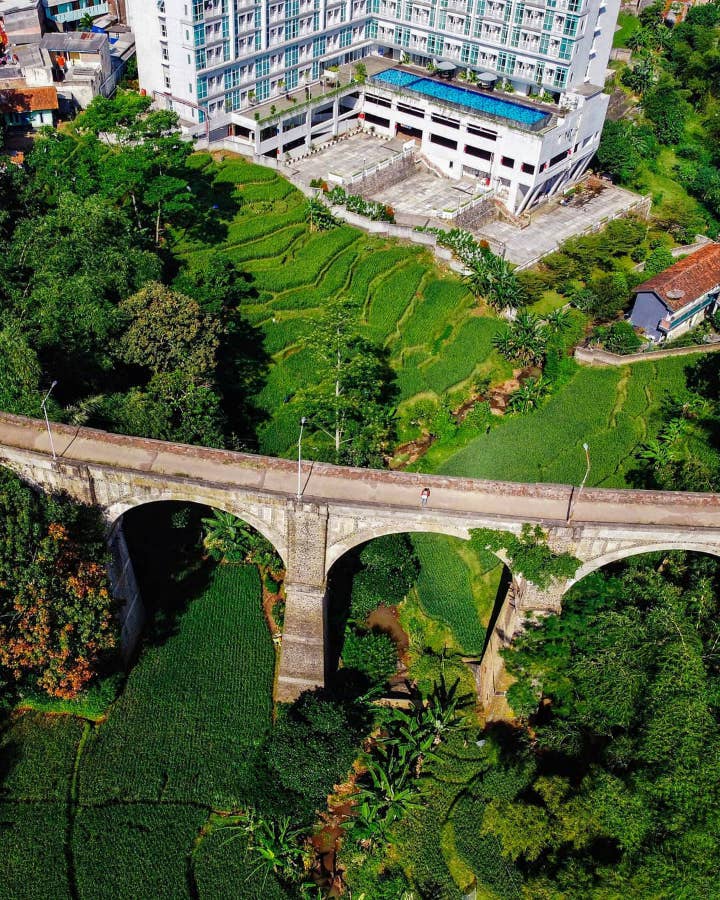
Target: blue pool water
x=450, y=93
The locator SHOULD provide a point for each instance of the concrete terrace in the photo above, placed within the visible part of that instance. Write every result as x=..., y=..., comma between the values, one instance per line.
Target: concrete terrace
x=422, y=195
x=555, y=223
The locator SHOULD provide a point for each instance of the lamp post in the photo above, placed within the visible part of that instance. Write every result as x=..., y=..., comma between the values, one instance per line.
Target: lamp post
x=47, y=421
x=303, y=422
x=574, y=497
x=299, y=474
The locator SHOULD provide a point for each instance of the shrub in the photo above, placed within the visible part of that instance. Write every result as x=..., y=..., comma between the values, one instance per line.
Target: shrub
x=323, y=733
x=620, y=337
x=372, y=653
x=528, y=554
x=391, y=554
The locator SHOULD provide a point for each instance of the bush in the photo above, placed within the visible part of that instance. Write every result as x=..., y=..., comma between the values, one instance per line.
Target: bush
x=390, y=570
x=620, y=337
x=369, y=590
x=392, y=554
x=322, y=733
x=372, y=653
x=659, y=259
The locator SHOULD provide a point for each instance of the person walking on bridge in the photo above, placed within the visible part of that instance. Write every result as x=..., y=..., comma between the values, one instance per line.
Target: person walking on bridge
x=424, y=496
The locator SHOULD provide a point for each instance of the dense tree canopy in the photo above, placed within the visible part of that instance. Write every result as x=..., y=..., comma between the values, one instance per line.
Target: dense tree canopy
x=621, y=691
x=57, y=619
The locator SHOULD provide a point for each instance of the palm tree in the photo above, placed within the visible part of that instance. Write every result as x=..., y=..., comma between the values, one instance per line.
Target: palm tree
x=558, y=320
x=530, y=394
x=86, y=22
x=387, y=798
x=229, y=539
x=493, y=278
x=656, y=452
x=277, y=848
x=524, y=340
x=477, y=278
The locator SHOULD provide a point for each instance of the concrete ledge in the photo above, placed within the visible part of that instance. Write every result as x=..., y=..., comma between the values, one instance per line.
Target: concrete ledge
x=590, y=356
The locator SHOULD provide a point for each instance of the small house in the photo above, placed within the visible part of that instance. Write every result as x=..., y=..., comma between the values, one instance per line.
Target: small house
x=678, y=299
x=28, y=107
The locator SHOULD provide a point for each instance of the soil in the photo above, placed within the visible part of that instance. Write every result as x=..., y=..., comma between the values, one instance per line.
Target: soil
x=268, y=601
x=386, y=619
x=499, y=396
x=413, y=449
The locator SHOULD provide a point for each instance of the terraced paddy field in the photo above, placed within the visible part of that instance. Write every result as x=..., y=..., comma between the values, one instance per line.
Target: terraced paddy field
x=426, y=318
x=614, y=409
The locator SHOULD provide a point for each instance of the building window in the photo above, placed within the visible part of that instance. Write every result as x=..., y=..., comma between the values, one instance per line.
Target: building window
x=443, y=141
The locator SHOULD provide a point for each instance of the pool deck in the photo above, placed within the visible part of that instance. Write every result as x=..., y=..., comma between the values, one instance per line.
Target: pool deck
x=547, y=109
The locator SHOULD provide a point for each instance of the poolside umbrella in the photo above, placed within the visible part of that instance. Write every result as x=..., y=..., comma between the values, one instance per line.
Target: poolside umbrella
x=445, y=66
x=487, y=78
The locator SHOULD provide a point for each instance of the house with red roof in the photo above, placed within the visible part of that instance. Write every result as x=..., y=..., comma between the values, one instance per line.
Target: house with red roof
x=28, y=107
x=678, y=299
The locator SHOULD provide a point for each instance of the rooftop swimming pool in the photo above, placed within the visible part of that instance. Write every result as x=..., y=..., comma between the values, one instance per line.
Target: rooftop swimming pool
x=450, y=93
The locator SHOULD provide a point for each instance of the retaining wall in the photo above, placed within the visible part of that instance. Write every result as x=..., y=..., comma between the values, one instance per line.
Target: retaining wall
x=383, y=178
x=590, y=356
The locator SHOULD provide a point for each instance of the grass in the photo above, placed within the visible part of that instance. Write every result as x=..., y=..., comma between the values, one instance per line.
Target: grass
x=210, y=682
x=614, y=410
x=660, y=181
x=222, y=870
x=628, y=26
x=38, y=754
x=454, y=589
x=140, y=851
x=33, y=862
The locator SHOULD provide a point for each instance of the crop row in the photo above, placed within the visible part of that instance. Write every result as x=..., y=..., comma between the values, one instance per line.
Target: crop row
x=211, y=682
x=609, y=409
x=445, y=590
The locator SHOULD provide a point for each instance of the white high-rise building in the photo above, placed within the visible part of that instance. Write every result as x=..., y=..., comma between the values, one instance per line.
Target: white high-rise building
x=218, y=61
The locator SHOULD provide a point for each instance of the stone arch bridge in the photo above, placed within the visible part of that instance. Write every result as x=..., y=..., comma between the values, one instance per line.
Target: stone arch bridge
x=341, y=508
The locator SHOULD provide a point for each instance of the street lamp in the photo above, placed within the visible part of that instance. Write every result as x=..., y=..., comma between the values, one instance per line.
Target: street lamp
x=303, y=422
x=47, y=421
x=299, y=479
x=574, y=497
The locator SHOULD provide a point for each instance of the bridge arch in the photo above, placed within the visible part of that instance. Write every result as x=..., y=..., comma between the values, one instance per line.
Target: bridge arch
x=619, y=554
x=115, y=511
x=337, y=549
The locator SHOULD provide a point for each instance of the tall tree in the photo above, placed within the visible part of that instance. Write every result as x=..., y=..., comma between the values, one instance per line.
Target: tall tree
x=166, y=331
x=350, y=398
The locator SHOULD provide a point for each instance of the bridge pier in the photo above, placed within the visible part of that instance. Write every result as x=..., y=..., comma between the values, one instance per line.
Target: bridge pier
x=125, y=589
x=303, y=652
x=523, y=602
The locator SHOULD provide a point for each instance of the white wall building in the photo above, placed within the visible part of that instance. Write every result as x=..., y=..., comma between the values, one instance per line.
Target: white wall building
x=218, y=61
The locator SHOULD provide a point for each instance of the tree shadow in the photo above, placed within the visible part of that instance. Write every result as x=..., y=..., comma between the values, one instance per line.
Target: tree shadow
x=503, y=588
x=215, y=206
x=339, y=591
x=9, y=758
x=163, y=539
x=242, y=368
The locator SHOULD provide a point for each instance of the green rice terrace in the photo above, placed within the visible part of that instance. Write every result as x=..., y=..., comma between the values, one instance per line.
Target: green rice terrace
x=137, y=796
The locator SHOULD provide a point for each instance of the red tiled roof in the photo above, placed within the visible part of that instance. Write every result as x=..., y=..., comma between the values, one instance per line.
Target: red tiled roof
x=687, y=280
x=28, y=99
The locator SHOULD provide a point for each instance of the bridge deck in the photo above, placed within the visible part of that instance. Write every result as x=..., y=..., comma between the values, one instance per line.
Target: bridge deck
x=359, y=487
